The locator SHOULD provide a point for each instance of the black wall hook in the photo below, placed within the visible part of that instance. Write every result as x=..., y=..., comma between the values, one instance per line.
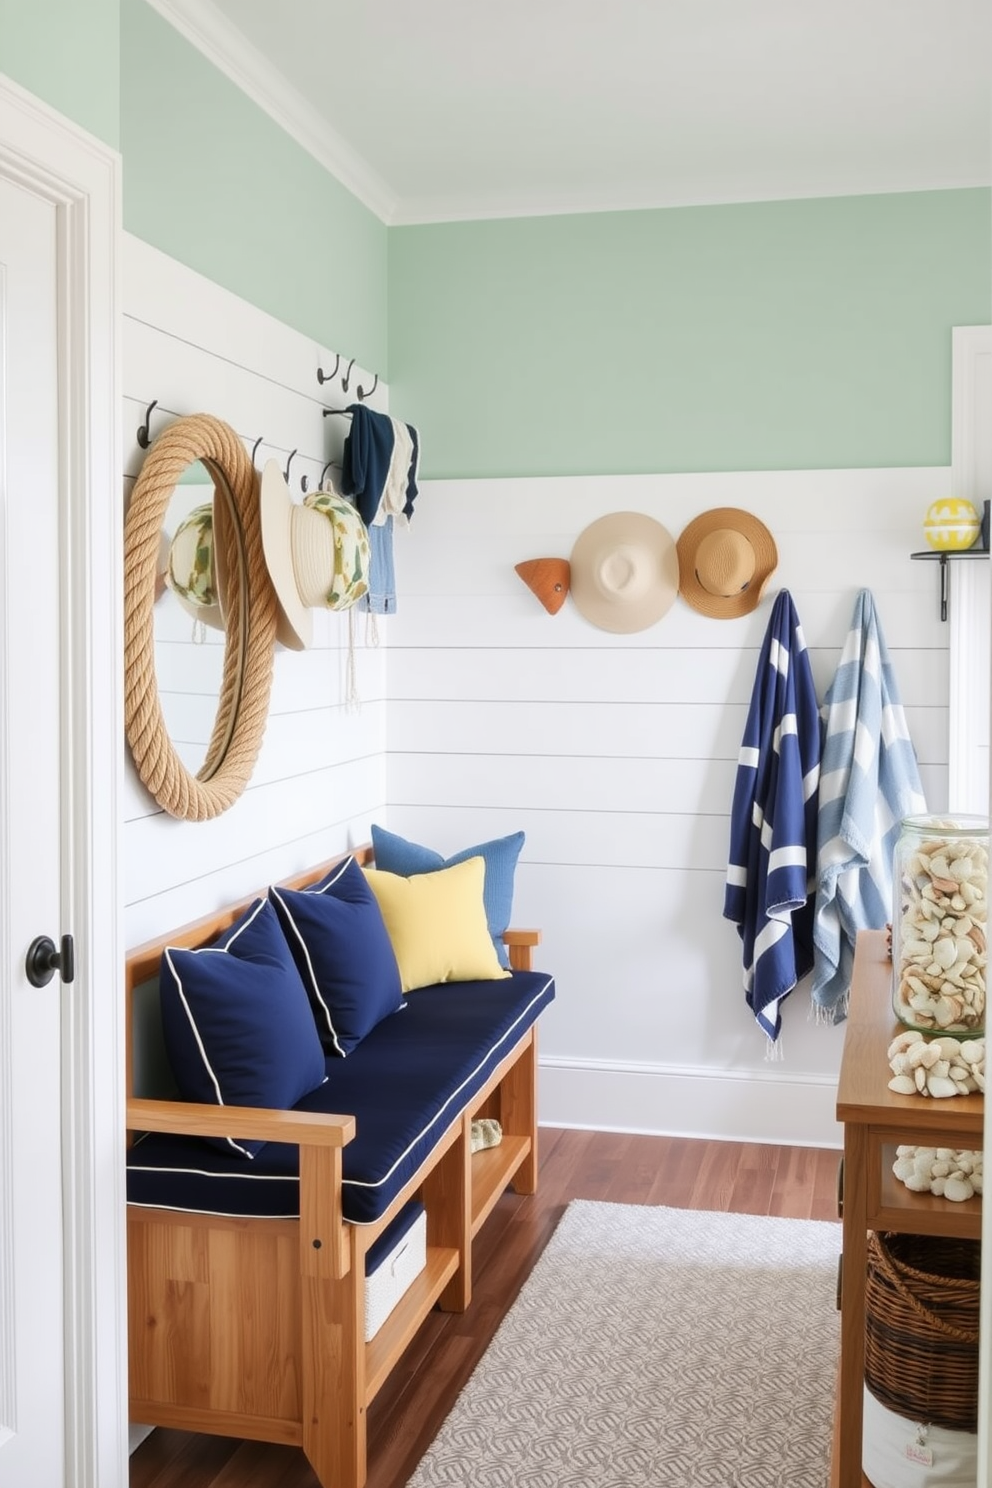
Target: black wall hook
x=143, y=436
x=361, y=391
x=344, y=380
x=289, y=462
x=331, y=465
x=326, y=411
x=323, y=376
x=304, y=483
x=254, y=448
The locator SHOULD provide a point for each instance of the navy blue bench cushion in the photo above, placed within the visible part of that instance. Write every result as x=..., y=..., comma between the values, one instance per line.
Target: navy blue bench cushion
x=405, y=1083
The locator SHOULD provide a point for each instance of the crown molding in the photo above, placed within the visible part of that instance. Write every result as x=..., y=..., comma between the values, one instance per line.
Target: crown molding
x=422, y=211
x=207, y=29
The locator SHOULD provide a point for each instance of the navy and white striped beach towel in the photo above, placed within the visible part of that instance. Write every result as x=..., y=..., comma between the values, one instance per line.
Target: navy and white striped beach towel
x=770, y=871
x=869, y=780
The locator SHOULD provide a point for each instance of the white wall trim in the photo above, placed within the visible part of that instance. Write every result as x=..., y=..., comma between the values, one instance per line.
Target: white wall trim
x=969, y=642
x=687, y=1101
x=81, y=177
x=206, y=28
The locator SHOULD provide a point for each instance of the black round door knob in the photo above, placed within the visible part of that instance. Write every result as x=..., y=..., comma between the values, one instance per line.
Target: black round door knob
x=45, y=958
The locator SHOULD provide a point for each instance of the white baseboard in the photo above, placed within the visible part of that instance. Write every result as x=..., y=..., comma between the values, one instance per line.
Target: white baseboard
x=731, y=1105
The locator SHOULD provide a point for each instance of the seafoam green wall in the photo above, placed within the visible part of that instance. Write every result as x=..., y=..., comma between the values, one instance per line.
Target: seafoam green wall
x=779, y=335
x=67, y=53
x=212, y=180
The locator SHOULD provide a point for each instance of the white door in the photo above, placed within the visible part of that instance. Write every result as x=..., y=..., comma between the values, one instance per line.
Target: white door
x=32, y=797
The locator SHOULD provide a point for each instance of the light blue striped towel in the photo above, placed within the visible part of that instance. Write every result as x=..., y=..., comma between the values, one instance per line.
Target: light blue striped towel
x=869, y=781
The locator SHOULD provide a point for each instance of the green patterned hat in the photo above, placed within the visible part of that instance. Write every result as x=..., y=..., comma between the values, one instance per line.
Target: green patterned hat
x=190, y=570
x=317, y=554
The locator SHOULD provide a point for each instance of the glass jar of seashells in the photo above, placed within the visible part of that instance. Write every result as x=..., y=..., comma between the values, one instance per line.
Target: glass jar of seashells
x=939, y=924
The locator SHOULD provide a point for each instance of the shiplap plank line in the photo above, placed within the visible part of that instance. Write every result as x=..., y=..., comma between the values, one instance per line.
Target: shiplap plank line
x=591, y=730
x=910, y=620
x=542, y=673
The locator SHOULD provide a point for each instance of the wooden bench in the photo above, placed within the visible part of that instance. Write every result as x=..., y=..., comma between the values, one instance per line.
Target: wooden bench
x=253, y=1327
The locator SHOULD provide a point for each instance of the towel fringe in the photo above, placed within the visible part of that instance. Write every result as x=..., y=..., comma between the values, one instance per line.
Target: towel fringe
x=774, y=1052
x=829, y=1017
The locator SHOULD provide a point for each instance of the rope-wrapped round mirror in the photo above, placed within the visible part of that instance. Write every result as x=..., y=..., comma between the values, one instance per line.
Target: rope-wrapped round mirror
x=249, y=620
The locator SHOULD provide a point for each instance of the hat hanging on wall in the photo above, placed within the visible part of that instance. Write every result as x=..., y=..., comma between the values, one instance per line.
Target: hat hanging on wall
x=190, y=569
x=317, y=554
x=726, y=557
x=548, y=578
x=624, y=572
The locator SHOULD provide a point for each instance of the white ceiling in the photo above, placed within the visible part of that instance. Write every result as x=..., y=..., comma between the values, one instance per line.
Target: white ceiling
x=441, y=109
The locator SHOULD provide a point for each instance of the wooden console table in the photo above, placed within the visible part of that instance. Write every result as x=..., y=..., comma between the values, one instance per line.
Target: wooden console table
x=875, y=1122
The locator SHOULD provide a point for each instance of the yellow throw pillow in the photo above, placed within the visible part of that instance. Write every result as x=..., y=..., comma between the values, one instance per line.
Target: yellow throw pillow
x=437, y=924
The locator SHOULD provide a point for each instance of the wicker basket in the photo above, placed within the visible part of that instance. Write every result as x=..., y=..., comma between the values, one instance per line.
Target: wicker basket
x=921, y=1327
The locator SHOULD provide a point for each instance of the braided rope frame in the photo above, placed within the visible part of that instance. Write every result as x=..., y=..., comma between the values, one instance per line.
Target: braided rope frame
x=250, y=623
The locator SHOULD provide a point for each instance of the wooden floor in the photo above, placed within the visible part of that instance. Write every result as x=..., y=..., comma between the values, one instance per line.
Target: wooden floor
x=792, y=1182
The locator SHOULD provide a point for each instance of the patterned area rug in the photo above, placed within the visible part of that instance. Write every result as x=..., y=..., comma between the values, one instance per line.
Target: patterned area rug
x=656, y=1348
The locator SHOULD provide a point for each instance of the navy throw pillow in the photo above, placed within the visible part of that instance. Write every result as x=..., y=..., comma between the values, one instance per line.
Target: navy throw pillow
x=339, y=940
x=237, y=1022
x=396, y=855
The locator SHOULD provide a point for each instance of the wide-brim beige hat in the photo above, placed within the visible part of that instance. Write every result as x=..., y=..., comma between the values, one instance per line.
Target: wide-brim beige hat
x=624, y=572
x=316, y=551
x=726, y=557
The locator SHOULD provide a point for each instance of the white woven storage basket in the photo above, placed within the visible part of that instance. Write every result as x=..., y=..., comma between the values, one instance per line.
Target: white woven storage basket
x=889, y=1440
x=397, y=1268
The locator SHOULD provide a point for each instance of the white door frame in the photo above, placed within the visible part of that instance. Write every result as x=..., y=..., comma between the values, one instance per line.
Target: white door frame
x=45, y=153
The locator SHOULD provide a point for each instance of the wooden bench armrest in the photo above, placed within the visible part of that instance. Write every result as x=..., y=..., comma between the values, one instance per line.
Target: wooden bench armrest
x=305, y=1128
x=325, y=1249
x=519, y=944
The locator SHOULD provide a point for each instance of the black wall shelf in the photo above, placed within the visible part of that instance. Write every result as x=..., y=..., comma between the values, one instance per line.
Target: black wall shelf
x=943, y=558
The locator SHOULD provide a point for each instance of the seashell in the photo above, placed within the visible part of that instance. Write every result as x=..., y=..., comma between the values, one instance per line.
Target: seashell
x=958, y=1189
x=944, y=885
x=941, y=1068
x=902, y=1041
x=962, y=869
x=971, y=1051
x=944, y=953
x=979, y=1078
x=937, y=1186
x=903, y=1085
x=917, y=1184
x=939, y=1086
x=941, y=1168
x=920, y=1079
x=939, y=867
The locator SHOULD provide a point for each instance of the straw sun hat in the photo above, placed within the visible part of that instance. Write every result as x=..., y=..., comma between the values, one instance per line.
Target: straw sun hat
x=316, y=551
x=726, y=557
x=624, y=572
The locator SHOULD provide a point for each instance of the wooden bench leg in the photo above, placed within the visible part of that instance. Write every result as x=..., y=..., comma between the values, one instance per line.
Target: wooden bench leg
x=518, y=1112
x=333, y=1366
x=448, y=1200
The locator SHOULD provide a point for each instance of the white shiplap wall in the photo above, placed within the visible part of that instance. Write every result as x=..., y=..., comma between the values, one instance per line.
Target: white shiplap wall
x=617, y=755
x=320, y=778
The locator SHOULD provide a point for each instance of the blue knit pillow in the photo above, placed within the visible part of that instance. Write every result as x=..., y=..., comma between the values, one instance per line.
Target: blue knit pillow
x=237, y=1022
x=396, y=855
x=342, y=949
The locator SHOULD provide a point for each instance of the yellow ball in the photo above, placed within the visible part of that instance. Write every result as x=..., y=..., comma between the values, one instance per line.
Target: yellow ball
x=951, y=524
